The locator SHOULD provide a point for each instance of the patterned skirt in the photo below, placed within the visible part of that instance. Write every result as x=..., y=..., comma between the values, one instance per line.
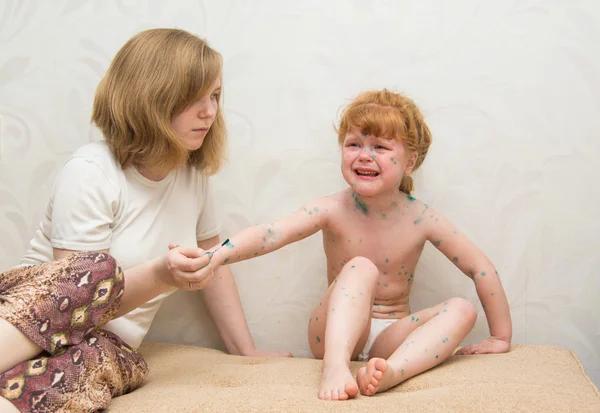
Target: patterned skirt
x=61, y=306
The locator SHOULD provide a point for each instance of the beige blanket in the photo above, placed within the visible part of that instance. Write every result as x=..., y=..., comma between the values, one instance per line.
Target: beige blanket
x=528, y=379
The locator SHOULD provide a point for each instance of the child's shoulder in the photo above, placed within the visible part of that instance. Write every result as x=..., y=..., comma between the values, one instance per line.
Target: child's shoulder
x=327, y=203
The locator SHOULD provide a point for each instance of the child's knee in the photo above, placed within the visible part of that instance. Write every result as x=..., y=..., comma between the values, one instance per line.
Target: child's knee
x=364, y=267
x=465, y=309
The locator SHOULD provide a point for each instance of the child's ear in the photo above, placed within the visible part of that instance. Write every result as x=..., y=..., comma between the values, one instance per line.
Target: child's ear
x=412, y=160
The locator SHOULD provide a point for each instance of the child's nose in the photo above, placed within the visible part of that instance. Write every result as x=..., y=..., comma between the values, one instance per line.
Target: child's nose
x=366, y=153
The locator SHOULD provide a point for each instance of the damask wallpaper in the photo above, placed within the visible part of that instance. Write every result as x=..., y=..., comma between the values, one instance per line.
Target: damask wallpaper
x=510, y=90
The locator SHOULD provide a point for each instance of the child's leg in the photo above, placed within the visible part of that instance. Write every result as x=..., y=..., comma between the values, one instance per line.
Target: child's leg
x=415, y=344
x=339, y=327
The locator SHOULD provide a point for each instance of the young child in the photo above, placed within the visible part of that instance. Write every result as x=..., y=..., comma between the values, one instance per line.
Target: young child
x=373, y=235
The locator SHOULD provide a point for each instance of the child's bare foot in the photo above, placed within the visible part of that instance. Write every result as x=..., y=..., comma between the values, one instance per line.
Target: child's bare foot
x=337, y=383
x=370, y=379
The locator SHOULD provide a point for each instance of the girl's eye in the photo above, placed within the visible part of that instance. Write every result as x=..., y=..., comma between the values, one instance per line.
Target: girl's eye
x=353, y=144
x=215, y=96
x=380, y=147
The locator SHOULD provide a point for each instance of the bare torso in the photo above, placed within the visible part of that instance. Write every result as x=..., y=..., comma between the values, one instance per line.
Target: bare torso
x=391, y=240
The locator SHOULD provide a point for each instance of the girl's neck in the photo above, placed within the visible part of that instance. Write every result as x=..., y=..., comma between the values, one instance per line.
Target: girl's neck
x=155, y=173
x=379, y=204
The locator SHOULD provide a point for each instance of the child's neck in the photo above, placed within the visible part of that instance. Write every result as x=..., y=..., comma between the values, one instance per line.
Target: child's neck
x=383, y=203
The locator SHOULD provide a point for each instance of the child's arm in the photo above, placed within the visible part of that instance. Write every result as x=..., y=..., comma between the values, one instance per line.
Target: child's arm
x=262, y=239
x=473, y=262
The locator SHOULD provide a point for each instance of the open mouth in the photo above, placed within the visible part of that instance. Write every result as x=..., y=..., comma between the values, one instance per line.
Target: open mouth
x=367, y=173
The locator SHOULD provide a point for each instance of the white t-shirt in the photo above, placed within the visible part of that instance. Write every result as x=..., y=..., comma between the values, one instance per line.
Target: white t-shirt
x=97, y=205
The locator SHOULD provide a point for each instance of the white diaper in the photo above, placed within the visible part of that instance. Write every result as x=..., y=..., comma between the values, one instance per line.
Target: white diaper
x=377, y=326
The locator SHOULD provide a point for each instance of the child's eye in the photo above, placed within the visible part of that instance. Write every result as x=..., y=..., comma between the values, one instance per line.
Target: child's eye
x=215, y=96
x=352, y=144
x=380, y=147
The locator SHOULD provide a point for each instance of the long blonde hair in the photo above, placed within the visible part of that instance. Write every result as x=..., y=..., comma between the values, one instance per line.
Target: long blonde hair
x=156, y=75
x=391, y=115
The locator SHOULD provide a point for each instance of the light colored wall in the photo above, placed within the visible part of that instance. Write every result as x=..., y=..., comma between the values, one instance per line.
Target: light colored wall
x=510, y=89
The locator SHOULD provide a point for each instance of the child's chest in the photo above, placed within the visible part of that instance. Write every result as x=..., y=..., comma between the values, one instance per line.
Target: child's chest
x=389, y=244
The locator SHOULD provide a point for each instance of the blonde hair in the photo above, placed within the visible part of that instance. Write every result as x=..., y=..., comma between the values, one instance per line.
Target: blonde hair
x=392, y=115
x=156, y=75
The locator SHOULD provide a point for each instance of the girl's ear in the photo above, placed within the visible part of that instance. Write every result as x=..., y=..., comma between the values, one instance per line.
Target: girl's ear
x=412, y=160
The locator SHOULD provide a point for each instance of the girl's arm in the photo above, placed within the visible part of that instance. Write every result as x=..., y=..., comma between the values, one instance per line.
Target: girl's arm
x=262, y=239
x=473, y=263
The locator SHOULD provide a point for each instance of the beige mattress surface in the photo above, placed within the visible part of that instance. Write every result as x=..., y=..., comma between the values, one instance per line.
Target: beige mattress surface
x=193, y=379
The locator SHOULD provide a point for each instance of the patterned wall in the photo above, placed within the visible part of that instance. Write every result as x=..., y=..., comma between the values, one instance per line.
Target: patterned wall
x=510, y=90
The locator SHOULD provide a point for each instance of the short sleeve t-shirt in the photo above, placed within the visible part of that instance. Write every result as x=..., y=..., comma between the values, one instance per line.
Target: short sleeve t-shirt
x=97, y=205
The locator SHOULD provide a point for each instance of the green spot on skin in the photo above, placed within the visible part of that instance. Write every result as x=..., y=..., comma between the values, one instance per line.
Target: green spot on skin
x=269, y=230
x=418, y=220
x=387, y=260
x=373, y=157
x=437, y=243
x=483, y=273
x=413, y=318
x=229, y=244
x=316, y=209
x=410, y=198
x=393, y=160
x=445, y=310
x=402, y=372
x=255, y=254
x=226, y=260
x=436, y=356
x=384, y=216
x=316, y=318
x=318, y=339
x=353, y=266
x=386, y=285
x=455, y=259
x=346, y=295
x=426, y=206
x=361, y=294
x=416, y=319
x=496, y=271
x=358, y=203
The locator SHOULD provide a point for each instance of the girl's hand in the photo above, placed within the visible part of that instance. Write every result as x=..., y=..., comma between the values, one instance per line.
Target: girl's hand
x=187, y=268
x=491, y=345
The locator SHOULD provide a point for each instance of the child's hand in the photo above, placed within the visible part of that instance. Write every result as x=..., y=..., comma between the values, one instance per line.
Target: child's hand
x=491, y=345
